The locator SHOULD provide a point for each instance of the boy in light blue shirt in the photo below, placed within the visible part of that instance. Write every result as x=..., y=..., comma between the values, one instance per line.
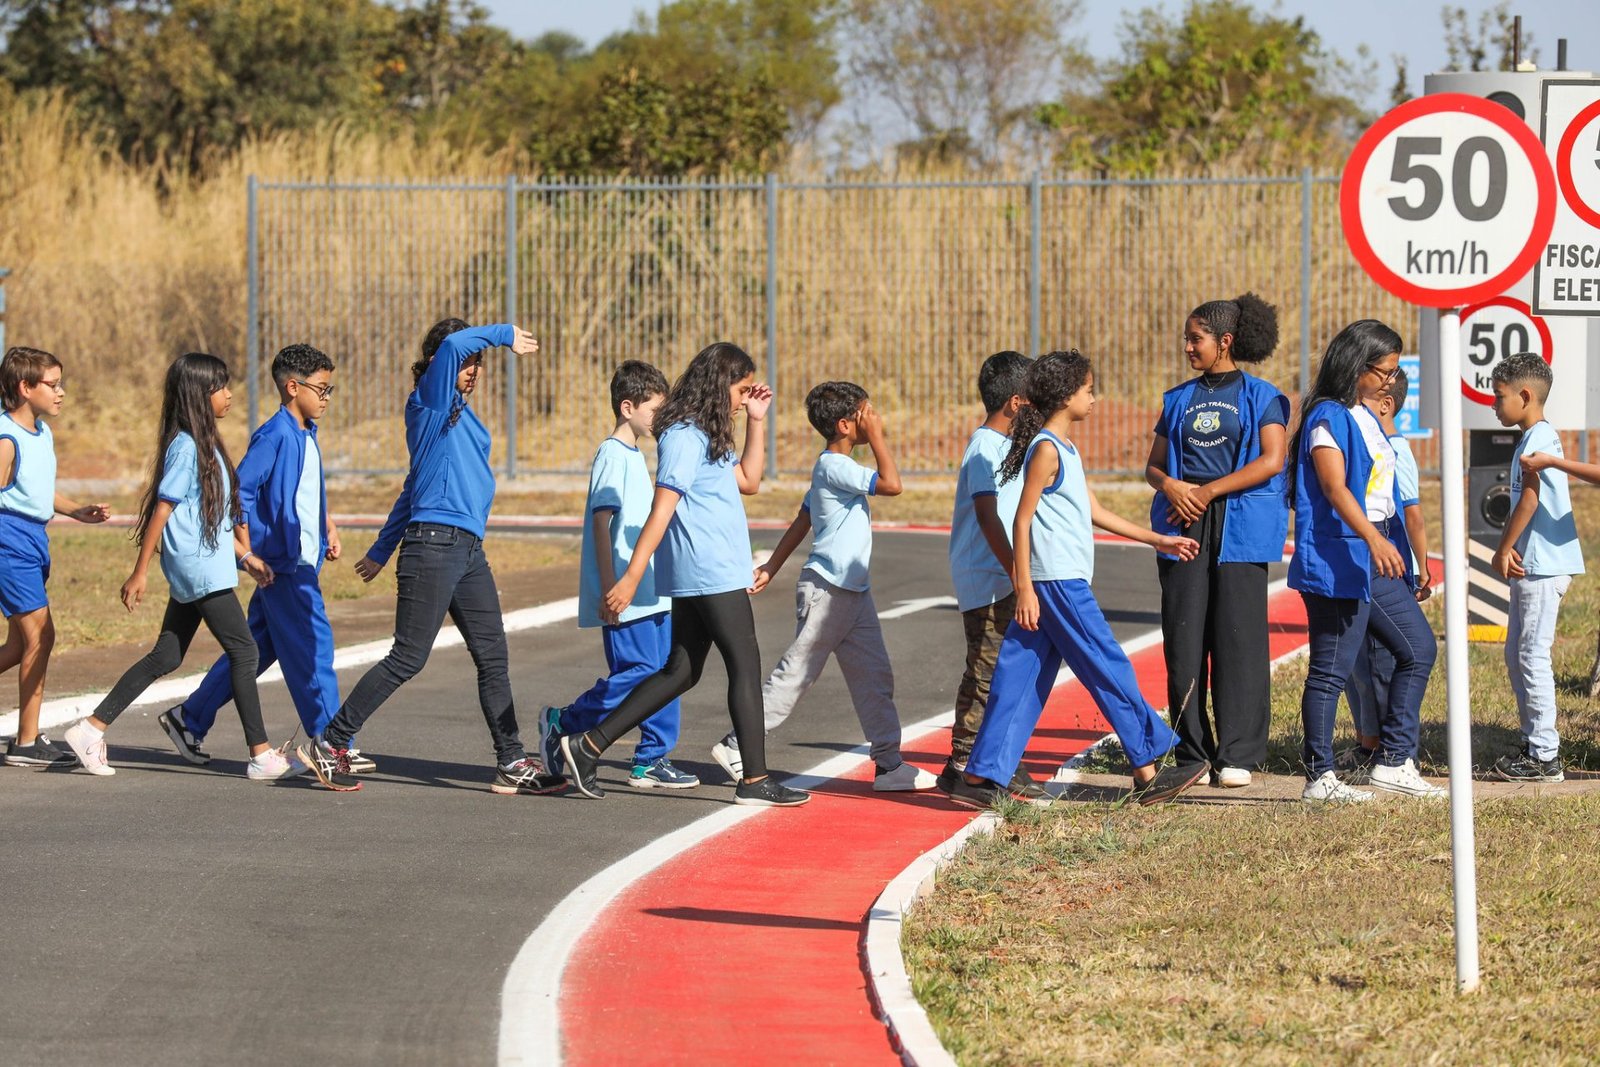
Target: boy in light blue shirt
x=637, y=641
x=836, y=614
x=1538, y=554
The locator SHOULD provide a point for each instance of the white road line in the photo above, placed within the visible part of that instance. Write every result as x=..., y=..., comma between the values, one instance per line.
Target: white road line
x=903, y=608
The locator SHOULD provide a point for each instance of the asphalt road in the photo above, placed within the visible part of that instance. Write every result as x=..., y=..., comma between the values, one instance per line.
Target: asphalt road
x=181, y=915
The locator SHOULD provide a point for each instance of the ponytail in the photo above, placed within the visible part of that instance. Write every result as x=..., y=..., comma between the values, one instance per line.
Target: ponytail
x=1251, y=321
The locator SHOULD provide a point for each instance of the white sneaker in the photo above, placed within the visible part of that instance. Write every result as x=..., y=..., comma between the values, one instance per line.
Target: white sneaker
x=272, y=765
x=1233, y=777
x=89, y=745
x=903, y=779
x=729, y=760
x=1405, y=780
x=1329, y=790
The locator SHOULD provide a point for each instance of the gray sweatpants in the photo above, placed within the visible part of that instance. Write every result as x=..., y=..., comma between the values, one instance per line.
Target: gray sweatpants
x=842, y=623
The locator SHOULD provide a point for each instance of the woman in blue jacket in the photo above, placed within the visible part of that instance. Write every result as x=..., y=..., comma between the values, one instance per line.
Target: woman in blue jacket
x=1352, y=564
x=1217, y=468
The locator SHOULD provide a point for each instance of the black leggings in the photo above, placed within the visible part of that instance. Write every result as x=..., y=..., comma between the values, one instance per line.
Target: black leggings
x=223, y=616
x=698, y=622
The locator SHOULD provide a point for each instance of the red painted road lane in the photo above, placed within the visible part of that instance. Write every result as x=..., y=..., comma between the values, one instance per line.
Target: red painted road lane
x=747, y=947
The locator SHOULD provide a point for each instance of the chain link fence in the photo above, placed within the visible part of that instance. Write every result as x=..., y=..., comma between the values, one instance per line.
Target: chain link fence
x=902, y=287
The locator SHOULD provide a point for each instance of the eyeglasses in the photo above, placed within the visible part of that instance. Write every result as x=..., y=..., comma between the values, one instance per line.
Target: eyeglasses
x=1387, y=376
x=56, y=385
x=323, y=391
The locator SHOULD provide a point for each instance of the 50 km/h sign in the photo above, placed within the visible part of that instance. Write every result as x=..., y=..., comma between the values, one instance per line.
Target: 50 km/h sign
x=1493, y=330
x=1447, y=200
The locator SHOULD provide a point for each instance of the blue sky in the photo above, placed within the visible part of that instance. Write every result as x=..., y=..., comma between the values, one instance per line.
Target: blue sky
x=1407, y=27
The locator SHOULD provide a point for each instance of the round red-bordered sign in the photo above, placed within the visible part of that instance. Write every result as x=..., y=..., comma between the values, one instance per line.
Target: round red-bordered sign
x=1569, y=144
x=1522, y=308
x=1444, y=296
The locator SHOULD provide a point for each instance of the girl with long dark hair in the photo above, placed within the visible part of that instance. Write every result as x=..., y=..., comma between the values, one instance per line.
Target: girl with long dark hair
x=1352, y=564
x=189, y=510
x=1217, y=467
x=700, y=540
x=1058, y=620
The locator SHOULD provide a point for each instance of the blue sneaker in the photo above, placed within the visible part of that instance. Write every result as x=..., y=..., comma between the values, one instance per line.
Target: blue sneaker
x=550, y=740
x=661, y=775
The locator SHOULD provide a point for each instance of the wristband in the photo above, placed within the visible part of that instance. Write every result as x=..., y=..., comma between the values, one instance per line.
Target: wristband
x=245, y=557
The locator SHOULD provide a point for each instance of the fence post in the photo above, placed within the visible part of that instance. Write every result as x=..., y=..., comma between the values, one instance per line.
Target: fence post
x=3, y=275
x=772, y=320
x=1305, y=281
x=1035, y=264
x=511, y=317
x=252, y=331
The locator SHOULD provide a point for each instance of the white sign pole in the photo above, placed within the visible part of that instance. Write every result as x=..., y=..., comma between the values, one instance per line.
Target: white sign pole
x=1458, y=704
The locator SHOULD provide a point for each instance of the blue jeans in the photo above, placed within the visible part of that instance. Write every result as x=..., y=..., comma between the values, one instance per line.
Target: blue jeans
x=1368, y=690
x=1338, y=630
x=1531, y=630
x=634, y=651
x=441, y=570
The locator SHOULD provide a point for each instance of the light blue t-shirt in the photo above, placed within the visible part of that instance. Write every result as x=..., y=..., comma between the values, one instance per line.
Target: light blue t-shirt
x=841, y=520
x=193, y=568
x=977, y=576
x=1408, y=480
x=1061, y=536
x=619, y=482
x=308, y=504
x=1549, y=546
x=707, y=548
x=32, y=491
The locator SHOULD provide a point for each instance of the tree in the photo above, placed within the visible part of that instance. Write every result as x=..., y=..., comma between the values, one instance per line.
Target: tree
x=1221, y=86
x=961, y=72
x=1488, y=45
x=441, y=47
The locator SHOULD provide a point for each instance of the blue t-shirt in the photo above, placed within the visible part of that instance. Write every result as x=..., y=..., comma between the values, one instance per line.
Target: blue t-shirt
x=32, y=490
x=1061, y=537
x=308, y=504
x=707, y=547
x=976, y=574
x=1212, y=429
x=841, y=520
x=619, y=482
x=1549, y=546
x=1408, y=480
x=193, y=568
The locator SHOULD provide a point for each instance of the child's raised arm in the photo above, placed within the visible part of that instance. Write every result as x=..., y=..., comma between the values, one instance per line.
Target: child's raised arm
x=888, y=483
x=74, y=510
x=1534, y=462
x=149, y=541
x=620, y=595
x=437, y=386
x=753, y=460
x=786, y=545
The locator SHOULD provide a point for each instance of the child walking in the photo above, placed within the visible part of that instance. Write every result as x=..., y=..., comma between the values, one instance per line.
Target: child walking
x=189, y=510
x=700, y=539
x=1352, y=565
x=980, y=557
x=284, y=500
x=833, y=596
x=1539, y=553
x=638, y=640
x=31, y=391
x=1057, y=616
x=439, y=521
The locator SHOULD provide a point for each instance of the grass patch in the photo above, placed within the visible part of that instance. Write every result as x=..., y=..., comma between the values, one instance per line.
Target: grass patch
x=88, y=567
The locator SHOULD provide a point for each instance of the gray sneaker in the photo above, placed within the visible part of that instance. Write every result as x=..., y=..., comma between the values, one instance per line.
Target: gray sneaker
x=40, y=752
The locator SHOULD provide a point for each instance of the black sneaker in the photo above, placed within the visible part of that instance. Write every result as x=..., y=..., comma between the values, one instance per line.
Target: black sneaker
x=1168, y=783
x=527, y=777
x=583, y=765
x=950, y=777
x=1024, y=787
x=1524, y=767
x=981, y=795
x=768, y=793
x=41, y=752
x=331, y=765
x=187, y=744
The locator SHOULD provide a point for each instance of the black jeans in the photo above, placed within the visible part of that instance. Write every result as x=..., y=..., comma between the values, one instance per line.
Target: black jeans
x=1214, y=628
x=223, y=616
x=698, y=622
x=441, y=570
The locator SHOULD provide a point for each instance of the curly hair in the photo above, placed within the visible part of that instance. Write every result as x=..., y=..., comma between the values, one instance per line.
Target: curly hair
x=186, y=408
x=1053, y=379
x=1250, y=320
x=700, y=396
x=829, y=402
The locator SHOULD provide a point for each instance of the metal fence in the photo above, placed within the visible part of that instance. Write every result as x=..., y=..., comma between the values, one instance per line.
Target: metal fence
x=903, y=287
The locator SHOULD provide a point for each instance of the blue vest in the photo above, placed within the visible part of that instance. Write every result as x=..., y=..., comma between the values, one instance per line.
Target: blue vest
x=1331, y=559
x=1256, y=521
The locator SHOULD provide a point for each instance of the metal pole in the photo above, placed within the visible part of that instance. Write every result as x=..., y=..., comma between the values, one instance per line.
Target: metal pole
x=1035, y=264
x=772, y=320
x=511, y=316
x=252, y=330
x=1305, y=281
x=3, y=275
x=1458, y=703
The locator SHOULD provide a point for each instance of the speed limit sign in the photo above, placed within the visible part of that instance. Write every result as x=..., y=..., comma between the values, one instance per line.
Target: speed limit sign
x=1447, y=200
x=1493, y=330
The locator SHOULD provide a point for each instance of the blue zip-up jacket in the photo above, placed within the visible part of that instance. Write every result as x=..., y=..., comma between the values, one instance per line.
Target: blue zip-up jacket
x=1256, y=521
x=1331, y=559
x=269, y=478
x=449, y=482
